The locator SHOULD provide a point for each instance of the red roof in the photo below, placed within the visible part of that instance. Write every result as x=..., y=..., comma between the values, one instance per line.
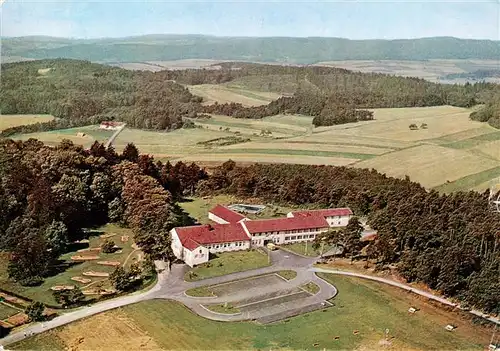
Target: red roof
x=227, y=214
x=281, y=224
x=194, y=236
x=329, y=212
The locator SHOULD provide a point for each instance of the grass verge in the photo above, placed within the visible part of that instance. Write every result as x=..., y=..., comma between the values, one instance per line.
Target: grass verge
x=297, y=152
x=287, y=274
x=202, y=291
x=311, y=288
x=300, y=248
x=224, y=308
x=227, y=263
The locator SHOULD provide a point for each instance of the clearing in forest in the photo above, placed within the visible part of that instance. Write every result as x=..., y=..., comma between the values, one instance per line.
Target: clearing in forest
x=223, y=94
x=8, y=121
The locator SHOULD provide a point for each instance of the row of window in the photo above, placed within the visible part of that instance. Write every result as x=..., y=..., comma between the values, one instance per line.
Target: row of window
x=288, y=232
x=299, y=237
x=220, y=246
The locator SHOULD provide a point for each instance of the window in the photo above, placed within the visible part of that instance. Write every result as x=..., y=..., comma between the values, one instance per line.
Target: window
x=293, y=237
x=299, y=237
x=201, y=251
x=311, y=236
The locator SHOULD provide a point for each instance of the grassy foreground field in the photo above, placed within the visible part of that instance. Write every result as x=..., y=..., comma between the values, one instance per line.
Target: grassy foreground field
x=366, y=307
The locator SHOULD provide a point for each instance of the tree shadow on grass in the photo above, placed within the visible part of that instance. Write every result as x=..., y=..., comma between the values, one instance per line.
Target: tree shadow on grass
x=60, y=266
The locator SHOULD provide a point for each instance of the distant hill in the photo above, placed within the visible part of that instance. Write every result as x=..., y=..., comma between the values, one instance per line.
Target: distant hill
x=269, y=49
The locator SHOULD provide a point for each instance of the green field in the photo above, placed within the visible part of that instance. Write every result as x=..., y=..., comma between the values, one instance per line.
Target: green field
x=6, y=311
x=366, y=307
x=223, y=308
x=453, y=153
x=227, y=263
x=43, y=292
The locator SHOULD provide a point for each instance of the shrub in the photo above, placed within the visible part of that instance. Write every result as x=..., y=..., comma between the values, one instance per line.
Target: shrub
x=35, y=311
x=108, y=246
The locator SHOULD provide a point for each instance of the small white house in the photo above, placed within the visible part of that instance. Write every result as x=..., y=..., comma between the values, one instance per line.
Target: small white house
x=336, y=217
x=193, y=244
x=223, y=215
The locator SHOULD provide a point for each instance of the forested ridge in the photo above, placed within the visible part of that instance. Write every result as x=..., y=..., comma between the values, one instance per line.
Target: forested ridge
x=271, y=49
x=81, y=93
x=450, y=242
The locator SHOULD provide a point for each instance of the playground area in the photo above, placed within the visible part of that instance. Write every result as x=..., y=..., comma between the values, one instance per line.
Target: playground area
x=86, y=266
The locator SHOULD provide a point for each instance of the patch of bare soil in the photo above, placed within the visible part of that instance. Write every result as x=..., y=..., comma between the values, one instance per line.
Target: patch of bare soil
x=95, y=274
x=84, y=258
x=81, y=280
x=107, y=331
x=109, y=263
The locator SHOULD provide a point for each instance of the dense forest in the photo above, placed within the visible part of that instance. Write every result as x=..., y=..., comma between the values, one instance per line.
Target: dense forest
x=450, y=242
x=79, y=93
x=490, y=112
x=277, y=49
x=49, y=195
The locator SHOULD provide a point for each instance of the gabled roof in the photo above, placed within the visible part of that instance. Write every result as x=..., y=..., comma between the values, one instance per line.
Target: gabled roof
x=227, y=214
x=194, y=236
x=329, y=212
x=281, y=224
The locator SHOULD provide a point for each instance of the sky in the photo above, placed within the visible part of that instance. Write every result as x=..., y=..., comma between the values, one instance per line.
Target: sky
x=348, y=19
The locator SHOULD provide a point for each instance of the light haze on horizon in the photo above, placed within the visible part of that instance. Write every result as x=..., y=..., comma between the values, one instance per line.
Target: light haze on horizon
x=353, y=20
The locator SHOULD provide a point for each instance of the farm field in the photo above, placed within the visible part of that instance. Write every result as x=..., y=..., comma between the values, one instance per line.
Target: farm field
x=8, y=121
x=353, y=323
x=223, y=94
x=453, y=152
x=430, y=165
x=125, y=255
x=54, y=137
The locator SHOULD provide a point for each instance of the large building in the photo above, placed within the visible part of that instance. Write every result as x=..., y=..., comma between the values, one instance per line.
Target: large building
x=232, y=231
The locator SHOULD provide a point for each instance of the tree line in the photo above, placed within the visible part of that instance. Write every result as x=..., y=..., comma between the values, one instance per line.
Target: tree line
x=81, y=92
x=450, y=242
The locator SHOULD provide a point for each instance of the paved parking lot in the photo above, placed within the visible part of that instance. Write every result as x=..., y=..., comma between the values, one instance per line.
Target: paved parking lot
x=244, y=285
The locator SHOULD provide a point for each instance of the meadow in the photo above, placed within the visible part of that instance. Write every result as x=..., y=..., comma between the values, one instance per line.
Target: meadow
x=361, y=313
x=451, y=153
x=8, y=121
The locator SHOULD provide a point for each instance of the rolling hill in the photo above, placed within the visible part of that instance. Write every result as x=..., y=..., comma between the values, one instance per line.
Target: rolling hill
x=268, y=49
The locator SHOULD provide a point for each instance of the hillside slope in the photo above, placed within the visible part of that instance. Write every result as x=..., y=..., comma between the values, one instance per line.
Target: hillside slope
x=269, y=49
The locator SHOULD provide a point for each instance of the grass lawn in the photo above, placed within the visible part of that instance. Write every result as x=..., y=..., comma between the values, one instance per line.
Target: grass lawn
x=367, y=307
x=223, y=308
x=198, y=207
x=226, y=263
x=43, y=293
x=288, y=275
x=311, y=288
x=7, y=311
x=202, y=291
x=296, y=152
x=300, y=248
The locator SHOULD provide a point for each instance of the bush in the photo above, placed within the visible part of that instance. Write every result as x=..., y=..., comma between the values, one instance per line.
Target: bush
x=35, y=311
x=108, y=246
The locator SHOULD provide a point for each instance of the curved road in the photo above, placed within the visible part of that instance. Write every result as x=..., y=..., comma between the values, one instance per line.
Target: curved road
x=171, y=285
